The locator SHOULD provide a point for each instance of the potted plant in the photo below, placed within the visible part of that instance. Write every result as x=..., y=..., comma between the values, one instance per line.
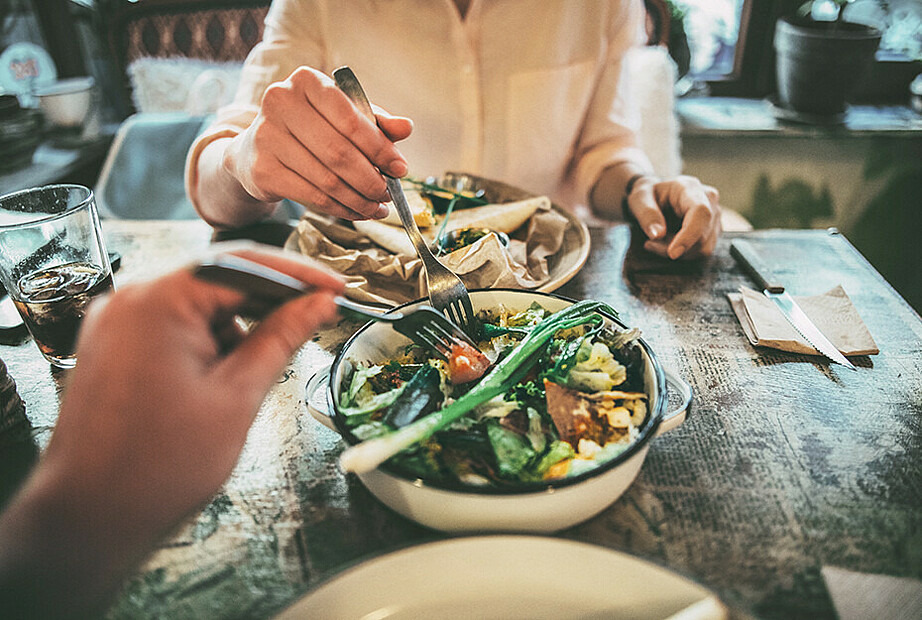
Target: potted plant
x=820, y=63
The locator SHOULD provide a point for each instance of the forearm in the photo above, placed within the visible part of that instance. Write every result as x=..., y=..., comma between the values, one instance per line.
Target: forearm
x=609, y=190
x=64, y=553
x=220, y=198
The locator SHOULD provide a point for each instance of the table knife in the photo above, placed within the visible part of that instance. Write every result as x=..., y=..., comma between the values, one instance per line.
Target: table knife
x=746, y=255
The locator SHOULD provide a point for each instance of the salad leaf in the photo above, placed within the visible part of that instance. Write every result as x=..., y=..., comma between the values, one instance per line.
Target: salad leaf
x=513, y=451
x=367, y=455
x=596, y=369
x=559, y=451
x=360, y=400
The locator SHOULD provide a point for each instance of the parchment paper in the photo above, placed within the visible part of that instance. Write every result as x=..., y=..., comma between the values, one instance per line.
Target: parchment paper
x=832, y=312
x=376, y=275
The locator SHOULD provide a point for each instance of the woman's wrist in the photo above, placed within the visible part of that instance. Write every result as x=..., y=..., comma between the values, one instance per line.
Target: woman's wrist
x=614, y=184
x=626, y=213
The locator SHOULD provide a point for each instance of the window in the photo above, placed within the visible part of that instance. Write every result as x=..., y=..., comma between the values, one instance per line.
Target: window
x=730, y=43
x=713, y=30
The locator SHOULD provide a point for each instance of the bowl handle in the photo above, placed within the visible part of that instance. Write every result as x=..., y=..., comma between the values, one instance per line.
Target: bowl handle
x=313, y=384
x=674, y=418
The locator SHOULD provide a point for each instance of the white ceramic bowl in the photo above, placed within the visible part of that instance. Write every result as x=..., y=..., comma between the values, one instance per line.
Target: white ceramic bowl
x=66, y=103
x=539, y=507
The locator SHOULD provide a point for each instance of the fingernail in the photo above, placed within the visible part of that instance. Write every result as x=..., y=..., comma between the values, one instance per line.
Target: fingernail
x=381, y=212
x=398, y=168
x=656, y=231
x=676, y=251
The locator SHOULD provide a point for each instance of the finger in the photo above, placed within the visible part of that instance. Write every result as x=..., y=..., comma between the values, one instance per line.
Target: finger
x=396, y=128
x=295, y=265
x=660, y=248
x=342, y=116
x=328, y=158
x=301, y=190
x=309, y=144
x=314, y=183
x=279, y=165
x=696, y=230
x=710, y=243
x=645, y=209
x=691, y=203
x=257, y=362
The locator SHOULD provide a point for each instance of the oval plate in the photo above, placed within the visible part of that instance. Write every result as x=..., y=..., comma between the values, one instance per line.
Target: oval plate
x=507, y=577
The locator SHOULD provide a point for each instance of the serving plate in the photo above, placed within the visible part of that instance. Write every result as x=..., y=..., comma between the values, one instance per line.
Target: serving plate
x=507, y=577
x=563, y=266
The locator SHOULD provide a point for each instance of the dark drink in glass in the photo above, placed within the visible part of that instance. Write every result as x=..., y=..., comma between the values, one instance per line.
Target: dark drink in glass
x=53, y=262
x=53, y=301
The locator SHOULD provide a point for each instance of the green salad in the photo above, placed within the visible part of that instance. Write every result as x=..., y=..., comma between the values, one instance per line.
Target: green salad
x=557, y=394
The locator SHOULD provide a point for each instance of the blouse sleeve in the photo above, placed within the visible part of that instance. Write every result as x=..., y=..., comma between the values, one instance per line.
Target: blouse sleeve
x=608, y=136
x=293, y=37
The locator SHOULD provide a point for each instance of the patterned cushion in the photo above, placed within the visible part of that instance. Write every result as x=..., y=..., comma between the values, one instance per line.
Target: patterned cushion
x=213, y=34
x=217, y=31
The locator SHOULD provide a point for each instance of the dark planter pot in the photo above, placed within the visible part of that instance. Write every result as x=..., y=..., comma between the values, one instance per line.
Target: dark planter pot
x=819, y=65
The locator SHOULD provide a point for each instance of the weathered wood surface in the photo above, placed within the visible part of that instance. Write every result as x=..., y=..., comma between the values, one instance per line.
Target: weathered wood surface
x=784, y=465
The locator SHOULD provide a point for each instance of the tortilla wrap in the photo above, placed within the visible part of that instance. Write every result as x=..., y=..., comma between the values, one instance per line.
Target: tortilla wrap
x=505, y=217
x=392, y=238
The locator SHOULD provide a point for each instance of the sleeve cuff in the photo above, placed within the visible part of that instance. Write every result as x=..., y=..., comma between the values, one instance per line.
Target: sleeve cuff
x=195, y=152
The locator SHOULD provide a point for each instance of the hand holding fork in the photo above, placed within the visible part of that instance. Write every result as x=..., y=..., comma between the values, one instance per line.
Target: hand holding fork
x=447, y=292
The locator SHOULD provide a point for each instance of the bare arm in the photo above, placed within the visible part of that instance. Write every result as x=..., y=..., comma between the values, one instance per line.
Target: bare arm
x=142, y=443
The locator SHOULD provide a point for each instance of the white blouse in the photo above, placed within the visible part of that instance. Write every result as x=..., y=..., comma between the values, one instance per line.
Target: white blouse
x=530, y=92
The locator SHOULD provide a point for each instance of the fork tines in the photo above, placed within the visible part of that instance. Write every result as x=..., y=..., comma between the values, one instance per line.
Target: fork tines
x=461, y=313
x=439, y=333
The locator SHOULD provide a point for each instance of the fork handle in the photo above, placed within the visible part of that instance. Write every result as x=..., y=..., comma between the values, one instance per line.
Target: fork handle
x=268, y=288
x=365, y=312
x=352, y=88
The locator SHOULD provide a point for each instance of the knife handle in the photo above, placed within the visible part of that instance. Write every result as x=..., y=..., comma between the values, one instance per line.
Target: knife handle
x=746, y=255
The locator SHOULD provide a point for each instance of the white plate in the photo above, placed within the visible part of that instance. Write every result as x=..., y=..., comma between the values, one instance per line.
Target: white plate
x=506, y=577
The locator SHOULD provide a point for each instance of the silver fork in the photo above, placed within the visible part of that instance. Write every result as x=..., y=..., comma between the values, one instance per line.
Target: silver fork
x=267, y=288
x=447, y=292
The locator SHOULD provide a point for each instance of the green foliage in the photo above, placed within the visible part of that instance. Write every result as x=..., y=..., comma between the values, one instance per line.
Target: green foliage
x=888, y=229
x=792, y=205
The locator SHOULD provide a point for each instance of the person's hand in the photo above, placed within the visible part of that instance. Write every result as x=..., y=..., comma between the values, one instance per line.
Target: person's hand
x=152, y=422
x=310, y=144
x=654, y=202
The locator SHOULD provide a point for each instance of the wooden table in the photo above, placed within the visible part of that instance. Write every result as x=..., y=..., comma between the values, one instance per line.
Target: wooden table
x=785, y=464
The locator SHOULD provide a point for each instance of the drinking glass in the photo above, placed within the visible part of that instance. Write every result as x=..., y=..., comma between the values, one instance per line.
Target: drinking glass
x=53, y=262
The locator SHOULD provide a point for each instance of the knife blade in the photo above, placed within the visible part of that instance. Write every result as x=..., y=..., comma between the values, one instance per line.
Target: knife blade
x=746, y=255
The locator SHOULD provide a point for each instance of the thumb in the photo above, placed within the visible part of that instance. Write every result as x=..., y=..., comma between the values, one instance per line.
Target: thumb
x=396, y=128
x=264, y=353
x=643, y=206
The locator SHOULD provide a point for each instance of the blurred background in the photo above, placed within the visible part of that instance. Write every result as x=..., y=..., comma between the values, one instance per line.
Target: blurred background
x=109, y=93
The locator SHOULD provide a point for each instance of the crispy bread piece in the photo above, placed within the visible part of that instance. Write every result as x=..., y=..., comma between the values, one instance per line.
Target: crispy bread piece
x=420, y=207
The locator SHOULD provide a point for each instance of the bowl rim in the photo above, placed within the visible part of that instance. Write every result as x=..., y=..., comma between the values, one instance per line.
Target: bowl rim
x=648, y=431
x=66, y=86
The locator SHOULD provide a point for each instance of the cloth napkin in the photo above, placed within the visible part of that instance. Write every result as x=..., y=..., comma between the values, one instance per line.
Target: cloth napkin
x=832, y=312
x=376, y=275
x=858, y=596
